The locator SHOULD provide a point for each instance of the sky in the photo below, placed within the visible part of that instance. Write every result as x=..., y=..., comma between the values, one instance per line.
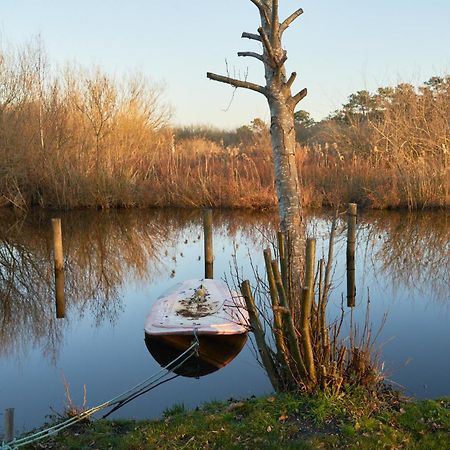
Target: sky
x=336, y=47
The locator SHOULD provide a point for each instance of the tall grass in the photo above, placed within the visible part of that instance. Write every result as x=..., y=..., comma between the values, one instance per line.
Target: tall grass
x=376, y=182
x=76, y=138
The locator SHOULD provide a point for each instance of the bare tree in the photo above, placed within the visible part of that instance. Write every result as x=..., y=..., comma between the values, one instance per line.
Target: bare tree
x=282, y=105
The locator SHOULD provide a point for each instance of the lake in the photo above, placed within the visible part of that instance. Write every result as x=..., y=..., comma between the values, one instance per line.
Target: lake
x=118, y=262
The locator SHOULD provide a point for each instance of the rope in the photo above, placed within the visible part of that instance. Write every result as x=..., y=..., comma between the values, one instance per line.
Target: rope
x=120, y=400
x=146, y=389
x=138, y=394
x=85, y=414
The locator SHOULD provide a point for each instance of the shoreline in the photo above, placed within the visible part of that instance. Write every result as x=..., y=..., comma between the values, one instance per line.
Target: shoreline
x=218, y=207
x=357, y=418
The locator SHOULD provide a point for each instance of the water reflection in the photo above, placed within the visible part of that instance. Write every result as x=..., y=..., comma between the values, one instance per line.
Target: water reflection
x=215, y=352
x=101, y=250
x=412, y=249
x=117, y=263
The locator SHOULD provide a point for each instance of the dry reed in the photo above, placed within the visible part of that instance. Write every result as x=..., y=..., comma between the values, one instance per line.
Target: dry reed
x=77, y=138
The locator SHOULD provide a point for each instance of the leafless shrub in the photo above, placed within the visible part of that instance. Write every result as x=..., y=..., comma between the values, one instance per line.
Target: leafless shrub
x=297, y=345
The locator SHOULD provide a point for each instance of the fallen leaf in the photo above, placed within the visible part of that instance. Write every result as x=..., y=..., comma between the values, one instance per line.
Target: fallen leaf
x=269, y=429
x=282, y=418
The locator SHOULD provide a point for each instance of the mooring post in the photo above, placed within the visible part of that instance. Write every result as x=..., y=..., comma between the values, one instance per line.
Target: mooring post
x=59, y=269
x=208, y=240
x=9, y=424
x=351, y=245
x=258, y=332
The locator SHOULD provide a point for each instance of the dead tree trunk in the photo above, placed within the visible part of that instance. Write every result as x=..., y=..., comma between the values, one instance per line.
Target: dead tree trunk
x=282, y=105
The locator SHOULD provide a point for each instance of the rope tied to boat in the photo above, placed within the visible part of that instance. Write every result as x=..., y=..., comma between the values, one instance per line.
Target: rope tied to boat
x=195, y=331
x=6, y=446
x=121, y=399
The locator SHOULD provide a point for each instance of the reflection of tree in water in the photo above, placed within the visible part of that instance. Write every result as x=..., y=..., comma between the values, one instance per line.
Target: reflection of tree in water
x=105, y=249
x=413, y=248
x=26, y=315
x=102, y=250
x=410, y=248
x=254, y=228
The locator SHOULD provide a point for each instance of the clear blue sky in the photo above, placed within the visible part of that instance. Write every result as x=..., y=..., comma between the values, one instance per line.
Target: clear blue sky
x=336, y=47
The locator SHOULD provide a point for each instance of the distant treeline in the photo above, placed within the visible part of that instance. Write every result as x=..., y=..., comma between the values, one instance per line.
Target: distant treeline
x=74, y=138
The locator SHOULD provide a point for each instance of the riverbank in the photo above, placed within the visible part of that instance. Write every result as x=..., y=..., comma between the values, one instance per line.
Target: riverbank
x=81, y=138
x=357, y=419
x=199, y=173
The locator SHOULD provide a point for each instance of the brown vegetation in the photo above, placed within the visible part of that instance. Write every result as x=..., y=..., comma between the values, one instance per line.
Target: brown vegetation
x=393, y=146
x=297, y=345
x=77, y=138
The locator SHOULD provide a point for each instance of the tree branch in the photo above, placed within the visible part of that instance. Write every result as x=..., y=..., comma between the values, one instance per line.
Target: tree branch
x=291, y=80
x=275, y=22
x=290, y=19
x=283, y=59
x=255, y=37
x=266, y=43
x=252, y=55
x=237, y=83
x=263, y=8
x=258, y=4
x=298, y=97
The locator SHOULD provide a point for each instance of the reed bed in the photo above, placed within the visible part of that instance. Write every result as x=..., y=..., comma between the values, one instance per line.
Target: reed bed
x=76, y=138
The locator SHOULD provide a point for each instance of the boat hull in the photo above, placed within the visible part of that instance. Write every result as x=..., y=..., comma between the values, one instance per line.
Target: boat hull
x=207, y=306
x=214, y=352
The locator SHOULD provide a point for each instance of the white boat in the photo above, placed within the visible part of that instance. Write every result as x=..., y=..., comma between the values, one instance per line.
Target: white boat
x=204, y=308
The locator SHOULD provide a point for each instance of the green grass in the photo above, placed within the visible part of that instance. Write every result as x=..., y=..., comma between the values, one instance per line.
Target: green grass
x=352, y=420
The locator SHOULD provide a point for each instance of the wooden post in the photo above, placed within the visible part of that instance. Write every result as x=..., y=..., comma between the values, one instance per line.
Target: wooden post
x=259, y=335
x=305, y=329
x=208, y=241
x=9, y=424
x=289, y=322
x=277, y=318
x=327, y=283
x=270, y=278
x=59, y=269
x=323, y=299
x=351, y=245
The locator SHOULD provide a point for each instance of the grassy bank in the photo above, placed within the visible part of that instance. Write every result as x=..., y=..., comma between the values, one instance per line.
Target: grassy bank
x=354, y=420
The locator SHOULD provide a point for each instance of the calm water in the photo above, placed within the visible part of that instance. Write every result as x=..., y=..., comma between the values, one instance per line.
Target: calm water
x=118, y=263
